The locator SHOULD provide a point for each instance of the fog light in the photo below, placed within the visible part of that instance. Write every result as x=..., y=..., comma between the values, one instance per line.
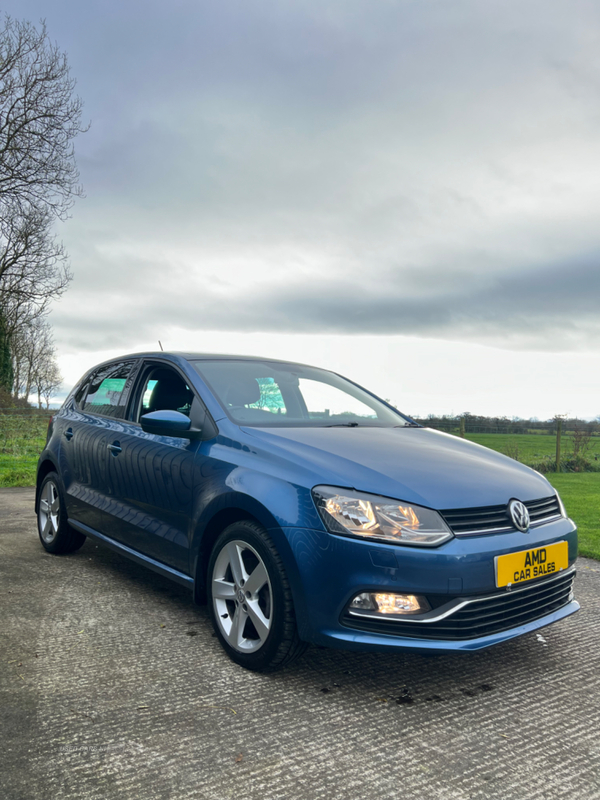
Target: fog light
x=390, y=604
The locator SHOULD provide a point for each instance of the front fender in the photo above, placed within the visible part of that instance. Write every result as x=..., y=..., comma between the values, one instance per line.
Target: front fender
x=276, y=504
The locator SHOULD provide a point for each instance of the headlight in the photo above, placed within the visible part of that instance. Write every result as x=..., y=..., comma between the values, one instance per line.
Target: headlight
x=366, y=515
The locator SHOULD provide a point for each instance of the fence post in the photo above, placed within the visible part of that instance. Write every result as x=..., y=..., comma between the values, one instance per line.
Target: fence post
x=558, y=435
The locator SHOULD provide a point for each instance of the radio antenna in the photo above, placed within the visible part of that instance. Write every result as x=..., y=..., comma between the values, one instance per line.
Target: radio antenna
x=161, y=347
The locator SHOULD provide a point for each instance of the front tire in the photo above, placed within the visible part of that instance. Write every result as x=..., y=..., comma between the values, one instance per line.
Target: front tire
x=250, y=600
x=56, y=535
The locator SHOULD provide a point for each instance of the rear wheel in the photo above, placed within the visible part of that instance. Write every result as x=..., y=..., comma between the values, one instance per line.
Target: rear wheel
x=251, y=601
x=56, y=534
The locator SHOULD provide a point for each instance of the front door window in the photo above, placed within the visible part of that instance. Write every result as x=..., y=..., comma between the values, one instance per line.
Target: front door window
x=164, y=389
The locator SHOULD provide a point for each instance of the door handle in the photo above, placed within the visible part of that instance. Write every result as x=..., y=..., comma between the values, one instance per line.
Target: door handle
x=115, y=448
x=68, y=434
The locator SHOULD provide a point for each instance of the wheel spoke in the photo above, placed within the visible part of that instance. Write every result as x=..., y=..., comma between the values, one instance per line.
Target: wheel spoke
x=236, y=634
x=223, y=590
x=44, y=506
x=257, y=579
x=48, y=527
x=261, y=623
x=55, y=506
x=235, y=562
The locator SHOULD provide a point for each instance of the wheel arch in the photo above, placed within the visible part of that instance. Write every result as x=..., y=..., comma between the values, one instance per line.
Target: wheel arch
x=212, y=529
x=224, y=511
x=45, y=466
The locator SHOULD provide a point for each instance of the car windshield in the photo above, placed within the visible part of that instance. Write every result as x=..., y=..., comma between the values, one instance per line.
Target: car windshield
x=263, y=393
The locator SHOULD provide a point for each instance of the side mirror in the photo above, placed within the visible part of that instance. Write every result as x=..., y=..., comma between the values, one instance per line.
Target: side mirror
x=168, y=423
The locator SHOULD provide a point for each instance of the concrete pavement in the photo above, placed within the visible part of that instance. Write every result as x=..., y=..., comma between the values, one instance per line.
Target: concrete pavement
x=113, y=686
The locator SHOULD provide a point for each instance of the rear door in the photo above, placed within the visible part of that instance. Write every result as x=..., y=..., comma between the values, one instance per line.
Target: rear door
x=152, y=476
x=90, y=425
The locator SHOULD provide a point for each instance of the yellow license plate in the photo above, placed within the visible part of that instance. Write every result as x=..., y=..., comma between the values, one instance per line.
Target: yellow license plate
x=529, y=564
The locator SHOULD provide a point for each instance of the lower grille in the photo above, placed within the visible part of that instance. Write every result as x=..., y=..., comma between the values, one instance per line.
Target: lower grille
x=496, y=519
x=480, y=616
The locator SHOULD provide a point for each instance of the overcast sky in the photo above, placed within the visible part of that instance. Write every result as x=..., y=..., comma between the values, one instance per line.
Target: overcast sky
x=406, y=192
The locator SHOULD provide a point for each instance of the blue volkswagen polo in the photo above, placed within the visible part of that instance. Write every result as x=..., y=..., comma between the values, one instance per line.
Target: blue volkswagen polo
x=303, y=508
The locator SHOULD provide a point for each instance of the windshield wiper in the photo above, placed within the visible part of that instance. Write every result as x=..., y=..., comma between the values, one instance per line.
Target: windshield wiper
x=342, y=425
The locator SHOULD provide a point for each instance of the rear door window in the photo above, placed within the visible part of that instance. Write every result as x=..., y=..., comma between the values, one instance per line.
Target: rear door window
x=109, y=390
x=79, y=394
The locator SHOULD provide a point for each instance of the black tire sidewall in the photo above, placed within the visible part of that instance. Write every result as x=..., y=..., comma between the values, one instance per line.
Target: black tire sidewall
x=257, y=538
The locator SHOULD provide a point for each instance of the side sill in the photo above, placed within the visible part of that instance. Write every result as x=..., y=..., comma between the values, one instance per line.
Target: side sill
x=134, y=555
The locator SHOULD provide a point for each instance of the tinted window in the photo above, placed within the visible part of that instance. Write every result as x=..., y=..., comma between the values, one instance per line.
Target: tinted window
x=263, y=393
x=80, y=393
x=109, y=387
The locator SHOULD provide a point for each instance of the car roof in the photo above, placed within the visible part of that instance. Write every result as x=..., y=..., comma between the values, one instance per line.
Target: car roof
x=188, y=356
x=229, y=357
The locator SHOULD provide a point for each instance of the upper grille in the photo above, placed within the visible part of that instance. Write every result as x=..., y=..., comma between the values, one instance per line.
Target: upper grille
x=496, y=519
x=481, y=616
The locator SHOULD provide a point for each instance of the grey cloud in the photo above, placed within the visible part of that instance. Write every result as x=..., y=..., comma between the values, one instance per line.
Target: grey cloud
x=554, y=309
x=423, y=168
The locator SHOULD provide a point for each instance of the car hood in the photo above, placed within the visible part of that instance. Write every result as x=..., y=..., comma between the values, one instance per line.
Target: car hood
x=419, y=465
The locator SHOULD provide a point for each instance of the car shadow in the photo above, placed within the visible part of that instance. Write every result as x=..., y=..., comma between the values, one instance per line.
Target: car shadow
x=397, y=678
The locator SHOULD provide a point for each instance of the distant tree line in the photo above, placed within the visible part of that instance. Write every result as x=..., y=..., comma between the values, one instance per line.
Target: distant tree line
x=40, y=116
x=473, y=423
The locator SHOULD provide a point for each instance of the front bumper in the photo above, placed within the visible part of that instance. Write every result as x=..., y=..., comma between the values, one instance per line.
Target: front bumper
x=331, y=570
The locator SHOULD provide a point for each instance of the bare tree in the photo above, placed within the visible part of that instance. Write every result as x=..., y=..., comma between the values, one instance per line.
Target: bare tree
x=31, y=346
x=39, y=119
x=48, y=379
x=6, y=367
x=34, y=362
x=40, y=116
x=33, y=266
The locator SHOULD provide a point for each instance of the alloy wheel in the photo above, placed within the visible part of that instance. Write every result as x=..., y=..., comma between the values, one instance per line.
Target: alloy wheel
x=242, y=596
x=48, y=512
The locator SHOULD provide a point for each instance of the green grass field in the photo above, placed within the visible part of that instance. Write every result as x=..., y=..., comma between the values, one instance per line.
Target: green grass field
x=22, y=438
x=530, y=447
x=581, y=495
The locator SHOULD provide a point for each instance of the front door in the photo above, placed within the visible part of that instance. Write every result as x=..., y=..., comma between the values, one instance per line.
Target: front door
x=151, y=476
